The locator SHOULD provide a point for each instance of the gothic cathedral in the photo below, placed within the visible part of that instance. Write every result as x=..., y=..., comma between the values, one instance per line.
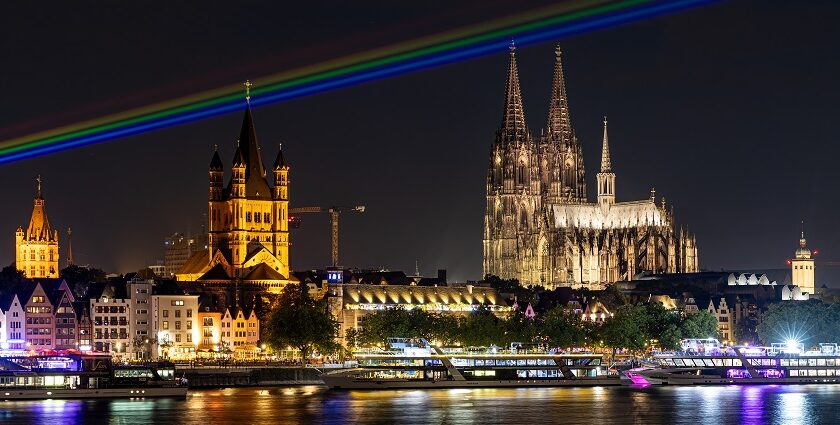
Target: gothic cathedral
x=539, y=226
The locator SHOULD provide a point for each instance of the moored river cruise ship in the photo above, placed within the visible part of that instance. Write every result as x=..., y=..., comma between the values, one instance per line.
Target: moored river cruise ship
x=707, y=362
x=78, y=376
x=415, y=363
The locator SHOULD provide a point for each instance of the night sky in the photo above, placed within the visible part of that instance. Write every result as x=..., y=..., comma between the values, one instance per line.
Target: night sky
x=728, y=110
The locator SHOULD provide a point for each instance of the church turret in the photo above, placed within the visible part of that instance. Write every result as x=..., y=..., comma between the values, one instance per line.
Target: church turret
x=281, y=177
x=606, y=178
x=237, y=181
x=217, y=173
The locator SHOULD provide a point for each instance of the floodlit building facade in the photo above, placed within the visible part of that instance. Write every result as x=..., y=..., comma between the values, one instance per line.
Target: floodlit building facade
x=802, y=268
x=36, y=247
x=175, y=325
x=540, y=227
x=248, y=237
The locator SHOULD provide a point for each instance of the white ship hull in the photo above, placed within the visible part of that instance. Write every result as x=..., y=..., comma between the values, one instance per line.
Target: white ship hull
x=63, y=393
x=351, y=383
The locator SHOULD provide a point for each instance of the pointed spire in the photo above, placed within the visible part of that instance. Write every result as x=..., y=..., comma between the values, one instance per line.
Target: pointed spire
x=216, y=162
x=39, y=225
x=606, y=166
x=238, y=159
x=559, y=120
x=513, y=120
x=280, y=162
x=69, y=247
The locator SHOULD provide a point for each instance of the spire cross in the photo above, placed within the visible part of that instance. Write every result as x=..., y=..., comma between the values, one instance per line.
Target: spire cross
x=216, y=147
x=38, y=180
x=248, y=84
x=512, y=46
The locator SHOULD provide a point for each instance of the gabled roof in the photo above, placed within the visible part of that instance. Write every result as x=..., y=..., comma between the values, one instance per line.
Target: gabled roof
x=218, y=272
x=264, y=272
x=196, y=263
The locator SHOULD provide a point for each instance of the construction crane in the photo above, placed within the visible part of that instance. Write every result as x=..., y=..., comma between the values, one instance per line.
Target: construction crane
x=294, y=222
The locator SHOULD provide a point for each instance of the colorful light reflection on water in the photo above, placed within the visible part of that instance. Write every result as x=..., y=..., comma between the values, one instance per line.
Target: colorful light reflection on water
x=731, y=404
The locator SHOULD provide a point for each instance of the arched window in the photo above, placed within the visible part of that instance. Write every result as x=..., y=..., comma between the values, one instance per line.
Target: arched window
x=520, y=175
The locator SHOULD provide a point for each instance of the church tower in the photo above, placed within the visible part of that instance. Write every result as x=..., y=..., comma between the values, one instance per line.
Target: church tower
x=606, y=178
x=247, y=219
x=802, y=266
x=513, y=192
x=36, y=248
x=561, y=157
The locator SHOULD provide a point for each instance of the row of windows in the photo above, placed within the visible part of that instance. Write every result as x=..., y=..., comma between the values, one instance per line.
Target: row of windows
x=803, y=267
x=41, y=255
x=266, y=217
x=177, y=312
x=178, y=337
x=41, y=341
x=110, y=309
x=38, y=310
x=165, y=324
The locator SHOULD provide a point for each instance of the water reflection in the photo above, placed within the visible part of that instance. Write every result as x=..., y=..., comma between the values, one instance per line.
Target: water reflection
x=599, y=405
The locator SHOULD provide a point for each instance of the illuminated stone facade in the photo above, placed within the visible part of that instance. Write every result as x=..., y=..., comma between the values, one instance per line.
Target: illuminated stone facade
x=248, y=238
x=802, y=267
x=539, y=226
x=36, y=247
x=350, y=303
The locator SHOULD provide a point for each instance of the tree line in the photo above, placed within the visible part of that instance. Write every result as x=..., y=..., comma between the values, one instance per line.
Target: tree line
x=636, y=327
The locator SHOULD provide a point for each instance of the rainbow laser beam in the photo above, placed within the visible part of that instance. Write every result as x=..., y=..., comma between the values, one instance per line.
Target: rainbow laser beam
x=529, y=28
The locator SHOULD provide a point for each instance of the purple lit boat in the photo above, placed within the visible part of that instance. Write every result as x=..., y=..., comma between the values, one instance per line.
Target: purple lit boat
x=78, y=376
x=706, y=362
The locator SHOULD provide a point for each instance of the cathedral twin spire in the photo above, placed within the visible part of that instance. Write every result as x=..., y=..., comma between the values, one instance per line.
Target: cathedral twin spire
x=513, y=128
x=558, y=159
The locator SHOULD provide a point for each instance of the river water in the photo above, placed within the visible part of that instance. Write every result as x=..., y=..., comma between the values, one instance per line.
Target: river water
x=806, y=404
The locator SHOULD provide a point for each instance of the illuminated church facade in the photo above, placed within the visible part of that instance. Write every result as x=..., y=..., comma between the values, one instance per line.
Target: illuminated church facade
x=539, y=225
x=248, y=234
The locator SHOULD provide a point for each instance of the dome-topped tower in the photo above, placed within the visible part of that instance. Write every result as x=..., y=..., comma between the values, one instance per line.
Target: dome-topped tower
x=802, y=266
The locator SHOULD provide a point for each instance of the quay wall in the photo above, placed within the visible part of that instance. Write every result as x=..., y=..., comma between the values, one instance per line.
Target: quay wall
x=216, y=377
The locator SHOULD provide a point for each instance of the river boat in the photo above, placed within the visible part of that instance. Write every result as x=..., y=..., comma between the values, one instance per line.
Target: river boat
x=80, y=376
x=707, y=362
x=415, y=363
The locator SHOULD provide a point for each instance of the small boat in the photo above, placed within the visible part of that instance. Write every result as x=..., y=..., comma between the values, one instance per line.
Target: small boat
x=415, y=363
x=707, y=362
x=79, y=376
